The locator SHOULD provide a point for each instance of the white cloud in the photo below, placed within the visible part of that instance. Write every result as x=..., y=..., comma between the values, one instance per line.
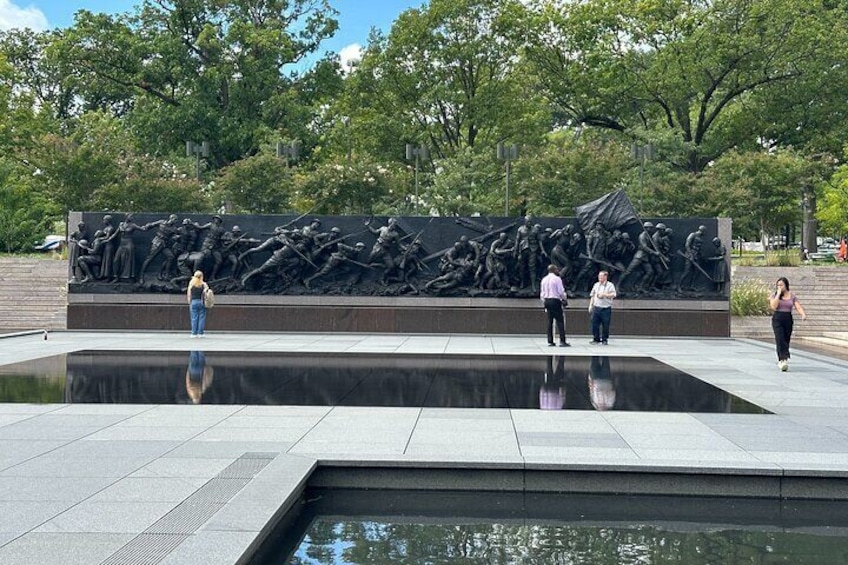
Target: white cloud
x=349, y=56
x=13, y=16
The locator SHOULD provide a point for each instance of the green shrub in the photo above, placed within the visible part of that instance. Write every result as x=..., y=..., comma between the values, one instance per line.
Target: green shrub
x=749, y=297
x=783, y=259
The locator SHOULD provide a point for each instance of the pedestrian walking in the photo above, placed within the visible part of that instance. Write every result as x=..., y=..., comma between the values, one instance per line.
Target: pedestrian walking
x=782, y=301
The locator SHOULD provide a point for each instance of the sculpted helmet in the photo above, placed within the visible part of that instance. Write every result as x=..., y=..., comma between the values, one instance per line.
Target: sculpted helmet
x=647, y=225
x=661, y=226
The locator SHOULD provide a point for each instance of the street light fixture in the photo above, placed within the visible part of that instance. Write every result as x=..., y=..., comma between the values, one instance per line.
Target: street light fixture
x=642, y=154
x=507, y=153
x=417, y=153
x=290, y=151
x=198, y=150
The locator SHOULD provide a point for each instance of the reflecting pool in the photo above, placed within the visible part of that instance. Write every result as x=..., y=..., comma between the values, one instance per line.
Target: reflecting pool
x=362, y=527
x=445, y=381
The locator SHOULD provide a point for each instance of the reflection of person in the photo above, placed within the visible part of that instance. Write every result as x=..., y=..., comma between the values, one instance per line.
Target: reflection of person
x=601, y=387
x=782, y=301
x=553, y=297
x=194, y=296
x=198, y=376
x=552, y=393
x=601, y=297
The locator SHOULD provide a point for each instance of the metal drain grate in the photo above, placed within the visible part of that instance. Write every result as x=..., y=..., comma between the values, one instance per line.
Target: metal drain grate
x=169, y=531
x=146, y=549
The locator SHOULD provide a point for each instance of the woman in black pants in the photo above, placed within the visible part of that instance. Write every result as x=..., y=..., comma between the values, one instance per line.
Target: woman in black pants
x=782, y=302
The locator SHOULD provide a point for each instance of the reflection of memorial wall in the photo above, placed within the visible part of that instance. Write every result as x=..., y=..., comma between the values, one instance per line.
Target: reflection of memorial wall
x=372, y=294
x=370, y=380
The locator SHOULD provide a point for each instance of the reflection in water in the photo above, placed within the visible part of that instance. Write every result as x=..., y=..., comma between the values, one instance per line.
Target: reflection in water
x=443, y=381
x=601, y=386
x=552, y=391
x=198, y=376
x=339, y=526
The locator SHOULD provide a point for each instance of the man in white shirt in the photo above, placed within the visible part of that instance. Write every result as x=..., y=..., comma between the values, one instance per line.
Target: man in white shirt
x=602, y=295
x=553, y=298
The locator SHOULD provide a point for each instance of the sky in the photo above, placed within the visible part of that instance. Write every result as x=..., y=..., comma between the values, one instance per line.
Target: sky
x=356, y=17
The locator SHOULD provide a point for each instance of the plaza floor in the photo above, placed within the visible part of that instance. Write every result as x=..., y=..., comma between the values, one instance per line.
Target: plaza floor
x=86, y=483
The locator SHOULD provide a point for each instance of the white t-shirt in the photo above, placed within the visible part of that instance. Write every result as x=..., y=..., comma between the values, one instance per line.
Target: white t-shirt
x=603, y=288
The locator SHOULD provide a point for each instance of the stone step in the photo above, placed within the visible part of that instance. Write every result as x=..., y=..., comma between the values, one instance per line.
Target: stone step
x=33, y=293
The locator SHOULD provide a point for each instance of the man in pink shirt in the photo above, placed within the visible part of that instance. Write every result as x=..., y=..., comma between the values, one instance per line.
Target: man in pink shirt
x=553, y=298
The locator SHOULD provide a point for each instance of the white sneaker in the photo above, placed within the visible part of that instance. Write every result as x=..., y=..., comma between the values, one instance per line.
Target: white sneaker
x=784, y=366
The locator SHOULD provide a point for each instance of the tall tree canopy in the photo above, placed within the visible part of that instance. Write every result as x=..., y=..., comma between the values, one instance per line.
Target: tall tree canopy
x=694, y=67
x=198, y=69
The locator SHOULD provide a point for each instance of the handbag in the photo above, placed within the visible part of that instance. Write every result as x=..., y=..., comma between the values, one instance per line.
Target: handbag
x=208, y=298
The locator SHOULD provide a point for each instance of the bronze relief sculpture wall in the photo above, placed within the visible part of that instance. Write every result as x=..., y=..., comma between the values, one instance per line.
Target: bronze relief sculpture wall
x=673, y=259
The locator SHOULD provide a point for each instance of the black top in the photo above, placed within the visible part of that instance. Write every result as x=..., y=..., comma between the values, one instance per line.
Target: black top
x=196, y=292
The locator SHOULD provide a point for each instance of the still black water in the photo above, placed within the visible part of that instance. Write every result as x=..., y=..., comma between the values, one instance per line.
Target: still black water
x=327, y=379
x=374, y=527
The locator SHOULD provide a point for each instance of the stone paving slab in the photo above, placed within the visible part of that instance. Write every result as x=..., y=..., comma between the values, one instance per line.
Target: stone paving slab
x=79, y=482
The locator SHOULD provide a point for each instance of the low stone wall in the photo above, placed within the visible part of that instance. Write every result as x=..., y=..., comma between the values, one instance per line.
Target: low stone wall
x=405, y=315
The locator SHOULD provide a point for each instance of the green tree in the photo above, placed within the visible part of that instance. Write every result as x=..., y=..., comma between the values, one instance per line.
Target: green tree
x=361, y=187
x=569, y=170
x=201, y=70
x=761, y=191
x=832, y=212
x=691, y=67
x=447, y=75
x=261, y=184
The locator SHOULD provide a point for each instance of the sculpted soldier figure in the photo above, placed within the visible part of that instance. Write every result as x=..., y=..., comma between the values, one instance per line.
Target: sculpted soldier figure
x=573, y=251
x=284, y=250
x=74, y=251
x=233, y=243
x=459, y=276
x=407, y=265
x=89, y=263
x=344, y=260
x=497, y=263
x=521, y=252
x=559, y=251
x=620, y=250
x=387, y=240
x=641, y=262
x=325, y=244
x=210, y=247
x=692, y=255
x=181, y=247
x=719, y=261
x=661, y=262
x=595, y=258
x=459, y=252
x=166, y=231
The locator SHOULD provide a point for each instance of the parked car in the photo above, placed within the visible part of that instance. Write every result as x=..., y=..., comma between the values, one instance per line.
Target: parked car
x=51, y=243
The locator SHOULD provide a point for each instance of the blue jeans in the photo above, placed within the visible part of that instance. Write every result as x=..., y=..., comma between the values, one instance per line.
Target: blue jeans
x=198, y=316
x=601, y=317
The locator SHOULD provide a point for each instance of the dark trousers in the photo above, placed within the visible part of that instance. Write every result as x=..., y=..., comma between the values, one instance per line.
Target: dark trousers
x=601, y=317
x=781, y=323
x=553, y=308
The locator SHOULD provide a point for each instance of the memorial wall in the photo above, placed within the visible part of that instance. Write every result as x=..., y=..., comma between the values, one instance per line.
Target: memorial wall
x=334, y=273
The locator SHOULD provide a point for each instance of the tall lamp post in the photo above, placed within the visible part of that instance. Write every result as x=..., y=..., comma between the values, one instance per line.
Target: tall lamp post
x=290, y=152
x=198, y=150
x=507, y=153
x=417, y=153
x=642, y=154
